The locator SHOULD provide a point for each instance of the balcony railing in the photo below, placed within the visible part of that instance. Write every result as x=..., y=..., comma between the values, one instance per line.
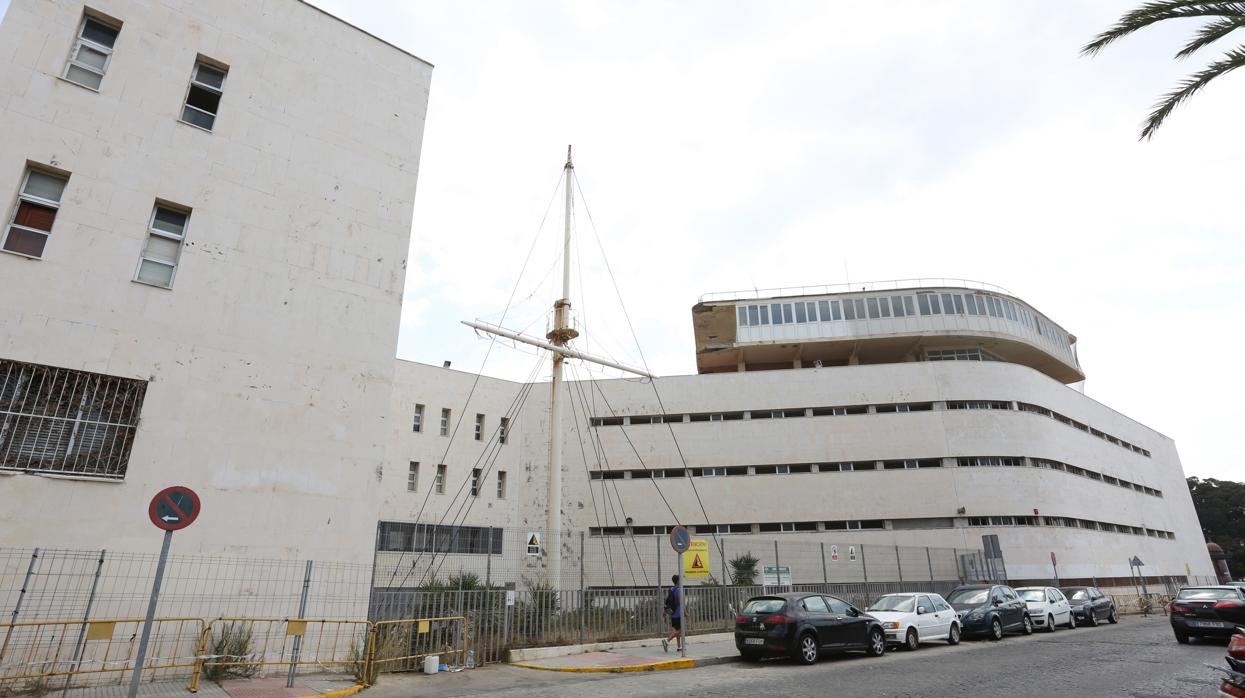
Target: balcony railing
x=855, y=287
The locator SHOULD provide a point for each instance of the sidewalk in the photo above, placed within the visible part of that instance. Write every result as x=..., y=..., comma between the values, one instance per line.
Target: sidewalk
x=635, y=655
x=272, y=687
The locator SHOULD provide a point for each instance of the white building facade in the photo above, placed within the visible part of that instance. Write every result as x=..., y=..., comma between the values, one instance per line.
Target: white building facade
x=207, y=214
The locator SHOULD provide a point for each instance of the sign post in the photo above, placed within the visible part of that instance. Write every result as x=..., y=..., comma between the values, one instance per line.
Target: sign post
x=172, y=509
x=681, y=540
x=1054, y=567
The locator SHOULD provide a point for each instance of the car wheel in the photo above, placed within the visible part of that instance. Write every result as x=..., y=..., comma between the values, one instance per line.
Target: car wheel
x=996, y=630
x=1093, y=619
x=1050, y=623
x=1071, y=621
x=806, y=649
x=1182, y=638
x=1114, y=617
x=953, y=635
x=1027, y=626
x=877, y=643
x=911, y=641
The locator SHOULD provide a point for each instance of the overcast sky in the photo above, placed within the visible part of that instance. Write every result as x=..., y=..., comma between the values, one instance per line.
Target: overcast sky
x=729, y=145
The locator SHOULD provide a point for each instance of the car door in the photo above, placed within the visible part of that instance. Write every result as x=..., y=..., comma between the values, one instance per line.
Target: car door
x=1059, y=605
x=1102, y=604
x=1019, y=608
x=927, y=623
x=1011, y=609
x=946, y=614
x=818, y=615
x=851, y=626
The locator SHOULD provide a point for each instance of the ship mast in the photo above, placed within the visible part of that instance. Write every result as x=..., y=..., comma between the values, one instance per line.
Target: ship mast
x=558, y=338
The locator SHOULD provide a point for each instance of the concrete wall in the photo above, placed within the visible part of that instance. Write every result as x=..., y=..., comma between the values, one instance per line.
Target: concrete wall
x=271, y=359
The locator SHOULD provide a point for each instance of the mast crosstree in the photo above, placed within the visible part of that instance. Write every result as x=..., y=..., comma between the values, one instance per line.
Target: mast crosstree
x=558, y=338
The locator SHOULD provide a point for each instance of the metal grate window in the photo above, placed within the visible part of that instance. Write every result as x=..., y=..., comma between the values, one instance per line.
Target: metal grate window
x=70, y=422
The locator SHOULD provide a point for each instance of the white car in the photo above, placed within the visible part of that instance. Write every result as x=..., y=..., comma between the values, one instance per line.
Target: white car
x=1048, y=607
x=910, y=619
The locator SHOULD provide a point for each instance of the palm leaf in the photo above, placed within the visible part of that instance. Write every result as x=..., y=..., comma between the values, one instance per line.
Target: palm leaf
x=1231, y=61
x=1152, y=12
x=1211, y=33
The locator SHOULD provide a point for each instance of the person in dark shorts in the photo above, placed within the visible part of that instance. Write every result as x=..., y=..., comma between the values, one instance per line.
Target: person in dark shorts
x=673, y=609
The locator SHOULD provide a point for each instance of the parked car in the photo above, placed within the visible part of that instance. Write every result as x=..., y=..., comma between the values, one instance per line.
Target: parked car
x=1048, y=607
x=910, y=619
x=989, y=610
x=803, y=626
x=1209, y=611
x=1091, y=606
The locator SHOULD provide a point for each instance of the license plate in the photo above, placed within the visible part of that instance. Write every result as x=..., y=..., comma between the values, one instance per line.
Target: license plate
x=754, y=641
x=1207, y=624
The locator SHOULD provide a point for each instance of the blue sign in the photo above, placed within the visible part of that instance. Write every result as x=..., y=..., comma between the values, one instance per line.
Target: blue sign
x=680, y=539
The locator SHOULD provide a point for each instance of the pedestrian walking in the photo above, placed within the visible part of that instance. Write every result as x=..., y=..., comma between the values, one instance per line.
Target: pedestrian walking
x=673, y=609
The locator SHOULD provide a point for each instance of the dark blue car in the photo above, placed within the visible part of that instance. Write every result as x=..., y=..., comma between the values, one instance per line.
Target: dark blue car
x=989, y=610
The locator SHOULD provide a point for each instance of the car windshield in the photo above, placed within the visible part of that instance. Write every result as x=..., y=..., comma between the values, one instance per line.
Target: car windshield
x=1032, y=594
x=964, y=596
x=1077, y=594
x=1196, y=594
x=903, y=604
x=764, y=606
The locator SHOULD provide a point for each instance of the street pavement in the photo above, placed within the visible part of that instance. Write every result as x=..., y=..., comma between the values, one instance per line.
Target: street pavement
x=1138, y=658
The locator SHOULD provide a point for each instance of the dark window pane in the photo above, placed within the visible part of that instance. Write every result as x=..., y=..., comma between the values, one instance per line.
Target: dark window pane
x=959, y=303
x=34, y=216
x=897, y=304
x=907, y=306
x=834, y=307
x=801, y=313
x=205, y=100
x=946, y=304
x=923, y=301
x=885, y=304
x=754, y=318
x=860, y=308
x=169, y=221
x=775, y=310
x=198, y=118
x=765, y=315
x=971, y=302
x=743, y=315
x=786, y=313
x=934, y=307
x=849, y=311
x=873, y=308
x=209, y=76
x=823, y=307
x=101, y=34
x=25, y=242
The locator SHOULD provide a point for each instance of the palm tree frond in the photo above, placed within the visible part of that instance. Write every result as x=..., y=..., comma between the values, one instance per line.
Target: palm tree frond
x=1211, y=33
x=1231, y=61
x=1152, y=12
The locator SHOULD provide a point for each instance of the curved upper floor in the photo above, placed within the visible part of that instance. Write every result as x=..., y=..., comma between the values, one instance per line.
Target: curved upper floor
x=892, y=322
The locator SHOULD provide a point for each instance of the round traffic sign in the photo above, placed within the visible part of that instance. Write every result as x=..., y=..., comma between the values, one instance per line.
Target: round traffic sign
x=174, y=508
x=680, y=539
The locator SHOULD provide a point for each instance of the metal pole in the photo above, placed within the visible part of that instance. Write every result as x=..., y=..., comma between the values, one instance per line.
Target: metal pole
x=898, y=564
x=583, y=598
x=30, y=569
x=488, y=568
x=777, y=565
x=151, y=614
x=559, y=336
x=864, y=567
x=79, y=646
x=682, y=613
x=660, y=629
x=298, y=639
x=929, y=561
x=825, y=579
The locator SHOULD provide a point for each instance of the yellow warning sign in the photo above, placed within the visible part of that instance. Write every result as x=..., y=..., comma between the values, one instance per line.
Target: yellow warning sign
x=696, y=559
x=100, y=630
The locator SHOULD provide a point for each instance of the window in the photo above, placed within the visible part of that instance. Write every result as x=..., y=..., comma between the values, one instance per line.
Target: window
x=753, y=318
x=428, y=538
x=68, y=422
x=743, y=315
x=501, y=484
x=814, y=604
x=838, y=606
x=92, y=52
x=776, y=312
x=823, y=307
x=849, y=311
x=504, y=430
x=165, y=233
x=207, y=84
x=412, y=476
x=439, y=484
x=897, y=304
x=873, y=308
x=479, y=427
x=417, y=423
x=801, y=315
x=475, y=482
x=37, y=204
x=445, y=421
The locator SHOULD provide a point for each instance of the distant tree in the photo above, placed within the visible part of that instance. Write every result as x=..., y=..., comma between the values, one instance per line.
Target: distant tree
x=1223, y=19
x=1220, y=506
x=744, y=570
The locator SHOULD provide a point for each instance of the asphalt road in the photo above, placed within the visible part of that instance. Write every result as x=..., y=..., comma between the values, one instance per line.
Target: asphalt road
x=1138, y=658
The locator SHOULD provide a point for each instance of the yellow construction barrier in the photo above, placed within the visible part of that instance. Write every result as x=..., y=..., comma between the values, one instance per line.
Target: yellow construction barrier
x=246, y=647
x=401, y=645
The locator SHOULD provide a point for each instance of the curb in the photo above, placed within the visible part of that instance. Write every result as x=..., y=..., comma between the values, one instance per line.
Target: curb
x=663, y=665
x=341, y=693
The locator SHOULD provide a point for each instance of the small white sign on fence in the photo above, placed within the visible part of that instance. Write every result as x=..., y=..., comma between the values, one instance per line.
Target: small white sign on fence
x=774, y=576
x=510, y=598
x=533, y=543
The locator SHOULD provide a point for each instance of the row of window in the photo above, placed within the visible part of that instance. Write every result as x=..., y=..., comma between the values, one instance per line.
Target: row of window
x=899, y=305
x=883, y=525
x=861, y=409
x=435, y=538
x=872, y=465
x=417, y=424
x=438, y=481
x=91, y=56
x=39, y=200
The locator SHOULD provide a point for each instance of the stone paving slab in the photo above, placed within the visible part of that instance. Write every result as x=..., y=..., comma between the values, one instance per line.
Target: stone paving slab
x=650, y=657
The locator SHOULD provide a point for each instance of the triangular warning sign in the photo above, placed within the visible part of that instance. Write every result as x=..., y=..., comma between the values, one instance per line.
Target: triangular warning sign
x=533, y=541
x=696, y=563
